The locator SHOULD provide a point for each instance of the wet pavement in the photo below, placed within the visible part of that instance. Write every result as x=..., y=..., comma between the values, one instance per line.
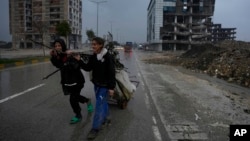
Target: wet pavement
x=194, y=106
x=35, y=109
x=171, y=103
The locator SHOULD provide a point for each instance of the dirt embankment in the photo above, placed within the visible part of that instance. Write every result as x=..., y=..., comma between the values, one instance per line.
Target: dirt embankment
x=228, y=60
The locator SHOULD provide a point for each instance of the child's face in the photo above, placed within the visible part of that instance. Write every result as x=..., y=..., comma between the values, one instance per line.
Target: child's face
x=96, y=47
x=58, y=47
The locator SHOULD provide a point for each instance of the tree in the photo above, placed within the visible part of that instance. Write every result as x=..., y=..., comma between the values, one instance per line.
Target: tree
x=63, y=29
x=42, y=28
x=90, y=34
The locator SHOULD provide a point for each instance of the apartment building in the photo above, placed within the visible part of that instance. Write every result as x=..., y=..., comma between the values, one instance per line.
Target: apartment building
x=178, y=24
x=36, y=20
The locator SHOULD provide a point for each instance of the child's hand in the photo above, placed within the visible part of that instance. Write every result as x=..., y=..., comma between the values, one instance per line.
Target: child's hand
x=53, y=53
x=68, y=52
x=111, y=92
x=77, y=56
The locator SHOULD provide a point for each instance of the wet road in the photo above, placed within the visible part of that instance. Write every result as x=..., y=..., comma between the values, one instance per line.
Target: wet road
x=170, y=103
x=33, y=109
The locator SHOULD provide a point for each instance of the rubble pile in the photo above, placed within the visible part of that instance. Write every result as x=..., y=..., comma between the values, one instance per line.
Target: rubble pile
x=228, y=60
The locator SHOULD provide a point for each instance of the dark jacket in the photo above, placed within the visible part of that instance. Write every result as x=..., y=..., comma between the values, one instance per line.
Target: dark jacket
x=69, y=67
x=70, y=70
x=103, y=72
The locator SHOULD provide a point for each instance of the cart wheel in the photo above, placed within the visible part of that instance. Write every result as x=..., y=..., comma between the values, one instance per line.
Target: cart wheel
x=123, y=104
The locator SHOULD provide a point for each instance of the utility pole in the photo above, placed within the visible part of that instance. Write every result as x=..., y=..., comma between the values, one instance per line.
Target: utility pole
x=111, y=27
x=97, y=13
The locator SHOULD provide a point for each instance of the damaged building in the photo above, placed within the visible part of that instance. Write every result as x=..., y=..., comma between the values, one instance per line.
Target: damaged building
x=179, y=24
x=218, y=33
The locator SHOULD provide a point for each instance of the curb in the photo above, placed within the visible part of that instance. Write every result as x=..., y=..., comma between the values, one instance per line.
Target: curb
x=22, y=63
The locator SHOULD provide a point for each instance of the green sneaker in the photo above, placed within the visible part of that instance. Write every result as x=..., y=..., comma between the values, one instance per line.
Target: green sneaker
x=90, y=106
x=75, y=120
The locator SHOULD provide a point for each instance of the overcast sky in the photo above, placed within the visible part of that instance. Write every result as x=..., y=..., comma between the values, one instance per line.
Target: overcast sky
x=128, y=18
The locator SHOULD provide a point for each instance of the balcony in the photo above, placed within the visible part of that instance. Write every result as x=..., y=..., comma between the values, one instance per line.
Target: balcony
x=54, y=2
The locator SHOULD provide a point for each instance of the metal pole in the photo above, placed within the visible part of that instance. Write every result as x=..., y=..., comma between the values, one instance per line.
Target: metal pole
x=97, y=18
x=97, y=13
x=111, y=28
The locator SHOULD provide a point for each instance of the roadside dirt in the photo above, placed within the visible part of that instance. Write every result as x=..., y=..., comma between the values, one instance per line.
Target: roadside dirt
x=228, y=60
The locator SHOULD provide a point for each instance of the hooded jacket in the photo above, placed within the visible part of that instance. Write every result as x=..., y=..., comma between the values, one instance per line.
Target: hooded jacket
x=69, y=67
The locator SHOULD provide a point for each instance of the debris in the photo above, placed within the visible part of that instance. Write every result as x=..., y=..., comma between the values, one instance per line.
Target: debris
x=228, y=60
x=218, y=124
x=197, y=117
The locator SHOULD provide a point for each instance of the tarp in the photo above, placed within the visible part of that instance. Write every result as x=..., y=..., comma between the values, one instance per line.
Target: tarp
x=124, y=84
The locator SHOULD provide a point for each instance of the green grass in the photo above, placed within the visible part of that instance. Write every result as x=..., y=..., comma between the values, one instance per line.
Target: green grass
x=25, y=59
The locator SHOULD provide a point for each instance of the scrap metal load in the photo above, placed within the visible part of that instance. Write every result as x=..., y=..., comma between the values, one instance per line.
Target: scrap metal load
x=125, y=88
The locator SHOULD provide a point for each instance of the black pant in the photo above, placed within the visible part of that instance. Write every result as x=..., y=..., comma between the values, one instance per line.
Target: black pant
x=75, y=97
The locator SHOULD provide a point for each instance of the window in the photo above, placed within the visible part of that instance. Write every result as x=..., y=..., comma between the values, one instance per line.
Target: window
x=184, y=9
x=169, y=9
x=170, y=0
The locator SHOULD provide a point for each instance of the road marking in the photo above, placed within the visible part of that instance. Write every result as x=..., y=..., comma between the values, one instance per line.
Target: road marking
x=155, y=128
x=147, y=101
x=154, y=120
x=21, y=93
x=156, y=133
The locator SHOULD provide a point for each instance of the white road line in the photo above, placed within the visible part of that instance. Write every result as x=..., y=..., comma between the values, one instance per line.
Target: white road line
x=154, y=120
x=155, y=128
x=21, y=93
x=147, y=101
x=156, y=133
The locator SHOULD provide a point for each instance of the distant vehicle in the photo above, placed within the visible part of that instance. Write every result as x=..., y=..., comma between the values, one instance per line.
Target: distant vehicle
x=140, y=47
x=119, y=48
x=128, y=47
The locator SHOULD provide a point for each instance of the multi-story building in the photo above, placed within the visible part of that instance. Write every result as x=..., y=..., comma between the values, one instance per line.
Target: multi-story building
x=36, y=20
x=178, y=24
x=218, y=33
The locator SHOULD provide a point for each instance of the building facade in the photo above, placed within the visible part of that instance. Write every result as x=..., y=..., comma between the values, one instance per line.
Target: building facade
x=178, y=24
x=218, y=33
x=34, y=21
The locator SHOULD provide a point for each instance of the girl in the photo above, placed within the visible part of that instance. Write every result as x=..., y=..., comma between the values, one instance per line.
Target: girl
x=72, y=79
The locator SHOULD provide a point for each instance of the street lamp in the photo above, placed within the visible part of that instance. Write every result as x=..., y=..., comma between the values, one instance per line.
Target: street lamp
x=97, y=13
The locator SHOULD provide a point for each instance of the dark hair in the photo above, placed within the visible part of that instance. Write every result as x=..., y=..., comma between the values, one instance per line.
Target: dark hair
x=61, y=41
x=99, y=40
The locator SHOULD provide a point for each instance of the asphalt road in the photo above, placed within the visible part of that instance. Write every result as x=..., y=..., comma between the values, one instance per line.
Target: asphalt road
x=170, y=103
x=32, y=109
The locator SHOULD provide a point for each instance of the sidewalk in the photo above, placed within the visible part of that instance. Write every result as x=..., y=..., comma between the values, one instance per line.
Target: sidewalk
x=24, y=53
x=20, y=53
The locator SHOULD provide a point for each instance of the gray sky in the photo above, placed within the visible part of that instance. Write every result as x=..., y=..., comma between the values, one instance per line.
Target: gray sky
x=128, y=18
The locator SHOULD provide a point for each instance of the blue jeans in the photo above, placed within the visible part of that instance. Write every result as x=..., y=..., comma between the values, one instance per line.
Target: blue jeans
x=101, y=107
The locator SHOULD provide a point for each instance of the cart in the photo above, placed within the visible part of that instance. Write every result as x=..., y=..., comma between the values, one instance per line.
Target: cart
x=124, y=89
